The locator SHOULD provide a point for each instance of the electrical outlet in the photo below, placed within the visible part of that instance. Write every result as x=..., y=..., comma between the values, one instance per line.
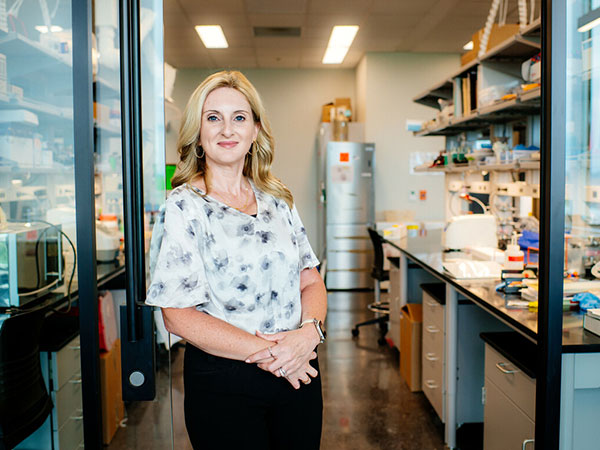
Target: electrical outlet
x=592, y=194
x=534, y=190
x=479, y=187
x=412, y=195
x=455, y=186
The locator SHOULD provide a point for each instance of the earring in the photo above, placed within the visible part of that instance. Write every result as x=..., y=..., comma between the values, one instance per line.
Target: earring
x=196, y=152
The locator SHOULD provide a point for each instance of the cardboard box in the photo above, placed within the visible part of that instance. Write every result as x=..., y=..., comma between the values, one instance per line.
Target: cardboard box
x=342, y=105
x=113, y=408
x=326, y=112
x=499, y=34
x=411, y=327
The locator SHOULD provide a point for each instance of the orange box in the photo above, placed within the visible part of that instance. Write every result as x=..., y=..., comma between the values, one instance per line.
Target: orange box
x=411, y=328
x=113, y=408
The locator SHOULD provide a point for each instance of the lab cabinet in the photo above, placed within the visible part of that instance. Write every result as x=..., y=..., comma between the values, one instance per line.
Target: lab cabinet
x=509, y=411
x=472, y=320
x=63, y=429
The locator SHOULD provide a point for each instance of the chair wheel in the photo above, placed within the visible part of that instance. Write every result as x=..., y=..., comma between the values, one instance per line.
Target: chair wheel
x=355, y=332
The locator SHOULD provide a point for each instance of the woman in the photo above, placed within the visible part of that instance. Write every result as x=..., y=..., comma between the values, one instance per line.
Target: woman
x=237, y=279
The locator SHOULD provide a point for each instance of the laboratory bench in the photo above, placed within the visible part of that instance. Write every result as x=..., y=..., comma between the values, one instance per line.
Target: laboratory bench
x=464, y=360
x=427, y=252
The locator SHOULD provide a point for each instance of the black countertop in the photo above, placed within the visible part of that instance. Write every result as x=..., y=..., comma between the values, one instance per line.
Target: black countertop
x=427, y=252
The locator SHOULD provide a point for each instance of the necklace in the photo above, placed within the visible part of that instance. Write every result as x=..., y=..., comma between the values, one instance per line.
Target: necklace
x=229, y=203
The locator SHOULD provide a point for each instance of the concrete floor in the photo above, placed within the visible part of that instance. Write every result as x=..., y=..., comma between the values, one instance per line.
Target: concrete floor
x=367, y=404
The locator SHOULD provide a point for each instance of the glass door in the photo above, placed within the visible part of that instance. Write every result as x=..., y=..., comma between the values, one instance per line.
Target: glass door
x=582, y=220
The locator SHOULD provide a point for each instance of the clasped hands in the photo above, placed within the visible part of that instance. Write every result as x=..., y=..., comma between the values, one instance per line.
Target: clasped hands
x=290, y=356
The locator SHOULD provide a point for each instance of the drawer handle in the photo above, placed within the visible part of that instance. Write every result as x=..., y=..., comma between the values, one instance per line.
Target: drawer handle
x=75, y=347
x=431, y=357
x=432, y=304
x=527, y=441
x=501, y=368
x=432, y=329
x=431, y=384
x=77, y=381
x=76, y=417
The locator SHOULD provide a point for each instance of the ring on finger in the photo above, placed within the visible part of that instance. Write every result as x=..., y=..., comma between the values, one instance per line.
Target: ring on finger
x=271, y=353
x=282, y=372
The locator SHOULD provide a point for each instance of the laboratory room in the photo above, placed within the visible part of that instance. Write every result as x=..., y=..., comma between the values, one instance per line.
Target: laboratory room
x=299, y=224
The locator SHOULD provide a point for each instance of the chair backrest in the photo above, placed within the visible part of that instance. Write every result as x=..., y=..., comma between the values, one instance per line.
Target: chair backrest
x=377, y=241
x=24, y=400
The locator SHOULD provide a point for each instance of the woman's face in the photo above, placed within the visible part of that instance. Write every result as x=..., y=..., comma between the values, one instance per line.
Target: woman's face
x=227, y=128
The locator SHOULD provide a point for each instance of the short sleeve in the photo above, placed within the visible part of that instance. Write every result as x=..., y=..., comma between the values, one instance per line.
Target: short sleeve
x=178, y=278
x=308, y=259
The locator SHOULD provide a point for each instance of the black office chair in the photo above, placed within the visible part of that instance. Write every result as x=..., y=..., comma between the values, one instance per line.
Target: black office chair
x=24, y=400
x=379, y=274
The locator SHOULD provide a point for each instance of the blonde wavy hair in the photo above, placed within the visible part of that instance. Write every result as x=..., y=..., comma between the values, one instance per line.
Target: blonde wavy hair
x=257, y=165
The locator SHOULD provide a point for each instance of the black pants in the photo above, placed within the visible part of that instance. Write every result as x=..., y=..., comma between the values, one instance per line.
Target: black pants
x=234, y=405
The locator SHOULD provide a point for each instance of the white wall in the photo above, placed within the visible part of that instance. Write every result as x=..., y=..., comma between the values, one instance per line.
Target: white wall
x=293, y=99
x=392, y=80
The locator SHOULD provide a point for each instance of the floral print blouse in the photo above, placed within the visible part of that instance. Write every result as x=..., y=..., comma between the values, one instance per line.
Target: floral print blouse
x=239, y=268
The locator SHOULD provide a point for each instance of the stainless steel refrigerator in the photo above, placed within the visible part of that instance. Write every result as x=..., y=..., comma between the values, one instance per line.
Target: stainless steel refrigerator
x=349, y=210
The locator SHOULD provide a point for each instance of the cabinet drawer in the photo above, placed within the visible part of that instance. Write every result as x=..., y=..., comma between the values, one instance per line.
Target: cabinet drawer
x=71, y=433
x=505, y=426
x=66, y=363
x=433, y=390
x=433, y=312
x=433, y=366
x=433, y=339
x=517, y=386
x=67, y=400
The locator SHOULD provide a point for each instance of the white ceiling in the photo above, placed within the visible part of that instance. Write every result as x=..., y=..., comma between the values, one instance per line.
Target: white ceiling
x=385, y=26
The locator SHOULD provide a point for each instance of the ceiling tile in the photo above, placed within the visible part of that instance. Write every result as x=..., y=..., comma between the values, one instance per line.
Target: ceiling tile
x=276, y=20
x=210, y=17
x=338, y=6
x=280, y=43
x=237, y=62
x=223, y=6
x=278, y=52
x=287, y=62
x=400, y=7
x=276, y=6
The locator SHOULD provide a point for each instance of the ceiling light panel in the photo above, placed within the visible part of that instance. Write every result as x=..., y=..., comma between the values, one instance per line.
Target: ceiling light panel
x=212, y=36
x=339, y=43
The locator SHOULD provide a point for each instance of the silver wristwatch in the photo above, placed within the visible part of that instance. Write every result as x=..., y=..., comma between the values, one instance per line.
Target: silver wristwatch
x=319, y=326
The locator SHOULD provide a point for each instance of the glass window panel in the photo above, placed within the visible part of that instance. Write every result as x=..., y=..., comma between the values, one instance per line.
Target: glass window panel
x=37, y=186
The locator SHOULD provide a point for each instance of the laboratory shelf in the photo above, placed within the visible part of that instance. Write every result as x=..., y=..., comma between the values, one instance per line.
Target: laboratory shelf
x=476, y=167
x=108, y=129
x=526, y=103
x=109, y=90
x=21, y=51
x=518, y=47
x=44, y=110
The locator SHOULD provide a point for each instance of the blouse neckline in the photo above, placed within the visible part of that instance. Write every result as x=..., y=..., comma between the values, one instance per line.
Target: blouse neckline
x=252, y=186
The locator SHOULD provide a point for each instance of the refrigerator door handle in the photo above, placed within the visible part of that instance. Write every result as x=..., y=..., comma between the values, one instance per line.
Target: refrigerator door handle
x=137, y=326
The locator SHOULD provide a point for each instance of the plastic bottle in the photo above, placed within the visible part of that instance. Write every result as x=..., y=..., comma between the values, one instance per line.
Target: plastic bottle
x=514, y=258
